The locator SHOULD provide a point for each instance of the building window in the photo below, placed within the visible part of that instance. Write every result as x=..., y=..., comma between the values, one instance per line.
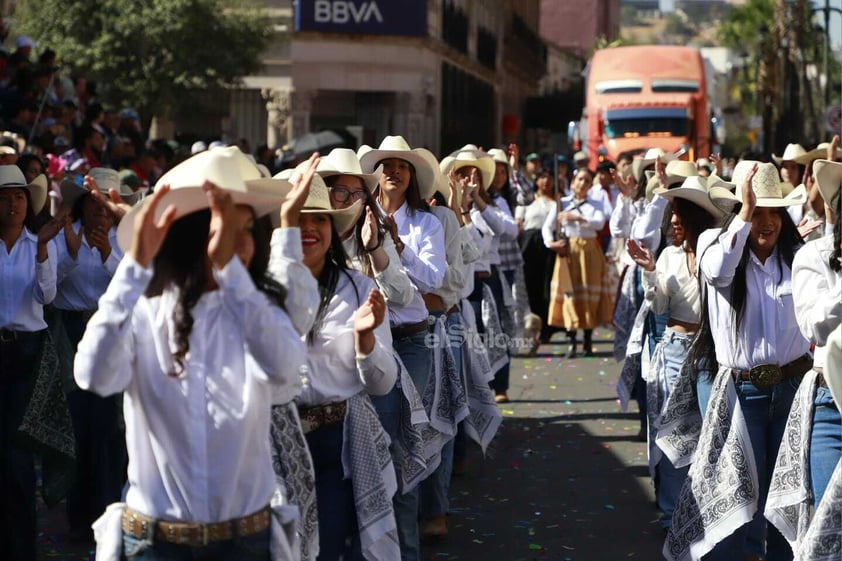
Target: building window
x=486, y=48
x=454, y=29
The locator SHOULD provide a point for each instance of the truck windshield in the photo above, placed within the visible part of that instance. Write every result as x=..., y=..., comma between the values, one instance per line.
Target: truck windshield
x=629, y=123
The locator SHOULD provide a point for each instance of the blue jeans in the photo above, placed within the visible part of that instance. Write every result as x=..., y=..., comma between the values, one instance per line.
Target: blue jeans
x=766, y=411
x=417, y=357
x=825, y=442
x=339, y=536
x=434, y=489
x=17, y=463
x=245, y=548
x=670, y=479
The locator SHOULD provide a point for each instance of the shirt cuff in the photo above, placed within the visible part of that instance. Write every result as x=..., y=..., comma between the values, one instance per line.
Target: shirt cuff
x=738, y=229
x=287, y=243
x=111, y=262
x=44, y=271
x=234, y=279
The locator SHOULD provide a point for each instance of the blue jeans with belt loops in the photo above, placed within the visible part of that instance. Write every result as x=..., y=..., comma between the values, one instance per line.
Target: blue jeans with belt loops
x=245, y=548
x=825, y=442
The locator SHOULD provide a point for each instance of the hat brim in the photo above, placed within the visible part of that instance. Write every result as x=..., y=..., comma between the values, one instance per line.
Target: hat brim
x=652, y=183
x=828, y=179
x=37, y=192
x=722, y=198
x=188, y=200
x=371, y=180
x=695, y=196
x=424, y=174
x=486, y=167
x=343, y=218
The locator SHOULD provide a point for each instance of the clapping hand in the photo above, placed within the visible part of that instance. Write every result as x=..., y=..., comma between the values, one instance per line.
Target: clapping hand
x=366, y=319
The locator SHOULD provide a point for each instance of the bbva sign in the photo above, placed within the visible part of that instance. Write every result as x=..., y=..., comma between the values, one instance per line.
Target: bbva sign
x=380, y=17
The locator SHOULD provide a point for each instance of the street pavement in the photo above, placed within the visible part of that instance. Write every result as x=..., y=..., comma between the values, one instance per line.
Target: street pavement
x=565, y=478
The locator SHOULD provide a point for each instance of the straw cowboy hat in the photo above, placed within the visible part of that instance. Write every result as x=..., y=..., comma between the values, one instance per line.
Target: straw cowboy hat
x=767, y=186
x=793, y=152
x=828, y=179
x=229, y=169
x=820, y=152
x=696, y=189
x=12, y=177
x=675, y=170
x=397, y=147
x=649, y=158
x=472, y=157
x=499, y=157
x=343, y=161
x=318, y=202
x=106, y=179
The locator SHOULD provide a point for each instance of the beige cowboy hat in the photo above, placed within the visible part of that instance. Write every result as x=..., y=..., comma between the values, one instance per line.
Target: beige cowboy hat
x=229, y=169
x=767, y=186
x=675, y=170
x=696, y=189
x=499, y=157
x=820, y=152
x=12, y=177
x=318, y=202
x=793, y=152
x=649, y=158
x=828, y=177
x=397, y=147
x=344, y=161
x=472, y=157
x=106, y=179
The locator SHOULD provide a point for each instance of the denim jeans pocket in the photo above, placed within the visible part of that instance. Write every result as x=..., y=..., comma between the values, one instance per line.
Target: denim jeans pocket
x=132, y=546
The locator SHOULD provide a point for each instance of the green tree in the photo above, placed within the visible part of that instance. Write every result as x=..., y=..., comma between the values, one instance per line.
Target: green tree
x=151, y=54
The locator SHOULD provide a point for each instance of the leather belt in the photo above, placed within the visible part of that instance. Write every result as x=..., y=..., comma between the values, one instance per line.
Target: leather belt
x=313, y=418
x=453, y=310
x=141, y=526
x=409, y=329
x=482, y=275
x=433, y=302
x=9, y=336
x=766, y=375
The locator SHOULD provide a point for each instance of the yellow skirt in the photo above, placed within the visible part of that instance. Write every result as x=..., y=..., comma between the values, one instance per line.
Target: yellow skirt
x=580, y=293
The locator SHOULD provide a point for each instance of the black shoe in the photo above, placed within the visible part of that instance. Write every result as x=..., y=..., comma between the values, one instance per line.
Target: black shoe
x=571, y=350
x=587, y=345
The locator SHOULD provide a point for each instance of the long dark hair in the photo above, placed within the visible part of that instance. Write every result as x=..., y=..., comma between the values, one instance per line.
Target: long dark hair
x=181, y=263
x=694, y=219
x=836, y=256
x=506, y=192
x=336, y=264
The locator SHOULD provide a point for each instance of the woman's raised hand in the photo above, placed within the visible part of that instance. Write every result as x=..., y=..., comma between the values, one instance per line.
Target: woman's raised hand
x=747, y=195
x=149, y=234
x=641, y=255
x=223, y=232
x=294, y=202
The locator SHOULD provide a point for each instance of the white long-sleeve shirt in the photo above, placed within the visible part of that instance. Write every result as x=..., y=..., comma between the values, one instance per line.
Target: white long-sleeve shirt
x=83, y=280
x=768, y=332
x=423, y=253
x=501, y=223
x=817, y=294
x=334, y=372
x=198, y=443
x=454, y=278
x=671, y=288
x=26, y=286
x=589, y=209
x=286, y=266
x=646, y=227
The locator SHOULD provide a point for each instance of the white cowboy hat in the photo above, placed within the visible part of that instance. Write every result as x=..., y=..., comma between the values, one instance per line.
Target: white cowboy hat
x=675, y=170
x=696, y=190
x=227, y=168
x=12, y=177
x=794, y=152
x=106, y=179
x=828, y=179
x=767, y=186
x=318, y=202
x=397, y=147
x=469, y=157
x=343, y=161
x=499, y=156
x=820, y=152
x=649, y=158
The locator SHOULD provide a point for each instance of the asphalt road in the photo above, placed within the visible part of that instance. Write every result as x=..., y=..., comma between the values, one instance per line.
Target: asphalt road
x=565, y=479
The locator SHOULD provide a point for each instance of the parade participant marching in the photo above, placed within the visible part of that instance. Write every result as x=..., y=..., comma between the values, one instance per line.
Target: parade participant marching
x=184, y=331
x=746, y=270
x=28, y=271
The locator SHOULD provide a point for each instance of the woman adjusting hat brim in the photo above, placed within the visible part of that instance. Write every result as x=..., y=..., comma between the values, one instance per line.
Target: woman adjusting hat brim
x=228, y=169
x=696, y=189
x=318, y=202
x=767, y=186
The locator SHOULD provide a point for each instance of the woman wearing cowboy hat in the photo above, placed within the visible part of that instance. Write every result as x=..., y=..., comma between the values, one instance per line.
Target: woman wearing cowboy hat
x=813, y=447
x=350, y=358
x=751, y=330
x=28, y=272
x=88, y=256
x=197, y=342
x=407, y=181
x=671, y=288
